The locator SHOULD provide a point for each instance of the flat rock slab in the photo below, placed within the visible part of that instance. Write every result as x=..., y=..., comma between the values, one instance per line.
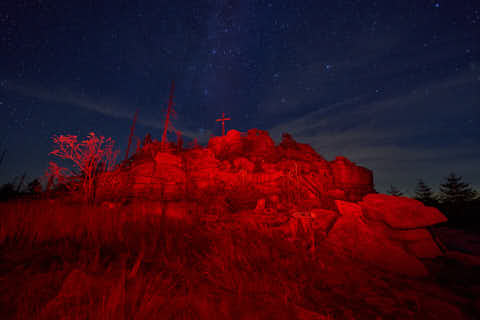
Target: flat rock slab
x=400, y=212
x=418, y=242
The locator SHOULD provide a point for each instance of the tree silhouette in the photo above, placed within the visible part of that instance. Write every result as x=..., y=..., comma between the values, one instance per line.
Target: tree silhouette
x=424, y=194
x=393, y=191
x=456, y=192
x=456, y=199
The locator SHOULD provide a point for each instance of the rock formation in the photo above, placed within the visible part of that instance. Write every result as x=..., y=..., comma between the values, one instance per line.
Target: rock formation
x=288, y=187
x=236, y=160
x=396, y=247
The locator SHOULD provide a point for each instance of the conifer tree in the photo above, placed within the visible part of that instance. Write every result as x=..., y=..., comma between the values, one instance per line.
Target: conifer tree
x=456, y=192
x=393, y=191
x=424, y=193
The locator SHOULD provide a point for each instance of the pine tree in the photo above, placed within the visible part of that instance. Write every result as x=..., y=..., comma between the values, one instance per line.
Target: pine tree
x=424, y=194
x=393, y=191
x=456, y=192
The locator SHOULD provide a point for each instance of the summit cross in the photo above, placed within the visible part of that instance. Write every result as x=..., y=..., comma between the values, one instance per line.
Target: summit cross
x=223, y=119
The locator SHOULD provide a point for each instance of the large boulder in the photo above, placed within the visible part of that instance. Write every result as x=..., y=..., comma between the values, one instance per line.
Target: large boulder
x=352, y=235
x=169, y=176
x=258, y=144
x=291, y=149
x=140, y=177
x=227, y=147
x=354, y=180
x=203, y=168
x=400, y=212
x=418, y=242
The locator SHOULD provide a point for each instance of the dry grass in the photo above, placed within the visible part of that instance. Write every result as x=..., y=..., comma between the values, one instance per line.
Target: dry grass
x=71, y=261
x=68, y=261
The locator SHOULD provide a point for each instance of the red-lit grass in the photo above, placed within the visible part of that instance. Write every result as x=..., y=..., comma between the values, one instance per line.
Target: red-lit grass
x=115, y=263
x=61, y=260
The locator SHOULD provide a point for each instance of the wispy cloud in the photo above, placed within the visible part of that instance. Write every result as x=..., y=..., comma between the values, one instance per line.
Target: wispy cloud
x=363, y=117
x=367, y=64
x=115, y=110
x=401, y=138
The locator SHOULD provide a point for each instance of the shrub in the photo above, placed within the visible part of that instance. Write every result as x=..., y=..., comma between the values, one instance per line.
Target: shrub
x=90, y=157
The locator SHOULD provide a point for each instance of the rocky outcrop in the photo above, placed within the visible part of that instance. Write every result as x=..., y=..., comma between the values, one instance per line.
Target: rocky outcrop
x=291, y=189
x=404, y=220
x=377, y=239
x=353, y=235
x=290, y=171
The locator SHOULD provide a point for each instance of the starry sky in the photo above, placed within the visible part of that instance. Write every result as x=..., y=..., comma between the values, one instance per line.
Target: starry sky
x=392, y=85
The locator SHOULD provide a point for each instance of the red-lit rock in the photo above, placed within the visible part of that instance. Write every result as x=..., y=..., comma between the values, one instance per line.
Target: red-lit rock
x=290, y=149
x=323, y=220
x=349, y=209
x=203, y=168
x=243, y=164
x=424, y=249
x=268, y=183
x=260, y=207
x=290, y=171
x=352, y=235
x=337, y=194
x=258, y=144
x=355, y=181
x=409, y=235
x=418, y=242
x=169, y=176
x=139, y=177
x=229, y=146
x=400, y=212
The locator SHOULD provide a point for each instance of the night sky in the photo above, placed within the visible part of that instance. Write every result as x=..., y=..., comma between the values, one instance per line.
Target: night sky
x=392, y=85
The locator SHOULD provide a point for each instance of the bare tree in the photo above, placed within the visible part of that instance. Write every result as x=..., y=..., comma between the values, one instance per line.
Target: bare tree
x=90, y=157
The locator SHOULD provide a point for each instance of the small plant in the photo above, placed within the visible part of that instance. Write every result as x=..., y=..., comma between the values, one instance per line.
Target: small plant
x=90, y=157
